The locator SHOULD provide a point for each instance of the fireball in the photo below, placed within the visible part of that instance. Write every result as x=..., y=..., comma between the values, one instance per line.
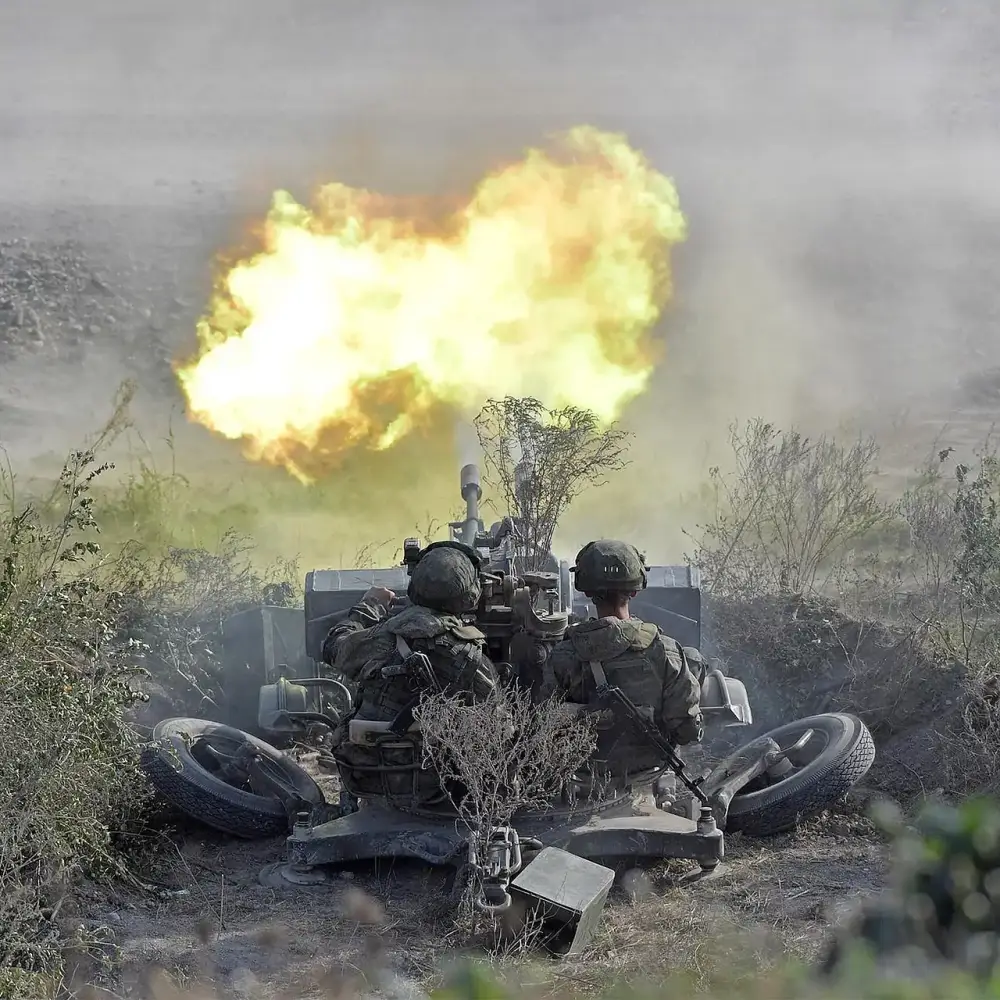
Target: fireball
x=356, y=324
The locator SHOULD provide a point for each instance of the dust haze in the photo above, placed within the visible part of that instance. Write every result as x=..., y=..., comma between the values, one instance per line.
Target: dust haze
x=837, y=164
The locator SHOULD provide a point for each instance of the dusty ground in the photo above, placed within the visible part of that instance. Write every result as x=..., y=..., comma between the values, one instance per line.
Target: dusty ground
x=213, y=918
x=206, y=915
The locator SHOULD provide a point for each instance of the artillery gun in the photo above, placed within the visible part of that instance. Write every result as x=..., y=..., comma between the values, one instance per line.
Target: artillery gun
x=233, y=780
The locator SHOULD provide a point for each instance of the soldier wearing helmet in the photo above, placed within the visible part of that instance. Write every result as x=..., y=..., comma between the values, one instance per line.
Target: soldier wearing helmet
x=653, y=670
x=425, y=648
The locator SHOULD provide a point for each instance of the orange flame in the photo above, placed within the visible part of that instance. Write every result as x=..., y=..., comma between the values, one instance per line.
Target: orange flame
x=354, y=325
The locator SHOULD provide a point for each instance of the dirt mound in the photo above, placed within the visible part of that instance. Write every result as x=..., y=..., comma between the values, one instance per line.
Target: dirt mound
x=800, y=657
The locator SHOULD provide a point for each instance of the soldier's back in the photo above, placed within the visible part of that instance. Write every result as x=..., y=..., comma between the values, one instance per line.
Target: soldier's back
x=633, y=655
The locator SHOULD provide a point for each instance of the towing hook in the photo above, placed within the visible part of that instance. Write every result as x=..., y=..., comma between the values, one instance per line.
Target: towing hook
x=498, y=889
x=503, y=861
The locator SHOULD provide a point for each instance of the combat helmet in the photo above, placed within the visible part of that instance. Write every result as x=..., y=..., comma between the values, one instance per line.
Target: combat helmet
x=445, y=577
x=609, y=566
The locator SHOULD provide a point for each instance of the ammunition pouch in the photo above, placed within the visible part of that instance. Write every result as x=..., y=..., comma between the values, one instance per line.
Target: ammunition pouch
x=367, y=732
x=383, y=759
x=374, y=763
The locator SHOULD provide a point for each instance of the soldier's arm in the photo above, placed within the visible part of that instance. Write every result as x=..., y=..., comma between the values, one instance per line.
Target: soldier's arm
x=680, y=708
x=362, y=616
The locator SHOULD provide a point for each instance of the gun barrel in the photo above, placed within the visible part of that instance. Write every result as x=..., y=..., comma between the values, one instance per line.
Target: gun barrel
x=471, y=489
x=472, y=493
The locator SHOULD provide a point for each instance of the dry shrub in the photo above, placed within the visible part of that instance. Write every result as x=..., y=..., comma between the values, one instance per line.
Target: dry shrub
x=782, y=556
x=502, y=756
x=949, y=601
x=539, y=461
x=789, y=511
x=824, y=597
x=175, y=605
x=507, y=753
x=934, y=533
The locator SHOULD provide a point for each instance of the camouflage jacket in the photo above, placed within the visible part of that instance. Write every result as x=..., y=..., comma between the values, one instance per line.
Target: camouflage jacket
x=368, y=648
x=654, y=671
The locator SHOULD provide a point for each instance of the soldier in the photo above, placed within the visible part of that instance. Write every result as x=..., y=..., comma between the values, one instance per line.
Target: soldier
x=396, y=658
x=654, y=671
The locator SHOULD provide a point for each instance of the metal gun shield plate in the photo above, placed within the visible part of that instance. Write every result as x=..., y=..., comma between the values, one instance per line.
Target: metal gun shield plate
x=329, y=591
x=255, y=644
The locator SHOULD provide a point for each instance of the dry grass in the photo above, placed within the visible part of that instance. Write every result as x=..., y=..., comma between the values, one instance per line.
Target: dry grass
x=769, y=900
x=69, y=767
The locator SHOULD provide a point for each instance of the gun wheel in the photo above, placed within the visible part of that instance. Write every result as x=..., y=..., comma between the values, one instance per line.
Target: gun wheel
x=226, y=778
x=838, y=752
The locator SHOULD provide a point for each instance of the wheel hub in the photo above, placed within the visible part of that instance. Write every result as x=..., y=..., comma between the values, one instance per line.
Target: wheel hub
x=781, y=766
x=244, y=767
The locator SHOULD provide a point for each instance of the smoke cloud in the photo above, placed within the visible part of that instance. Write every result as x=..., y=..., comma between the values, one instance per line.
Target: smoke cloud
x=835, y=163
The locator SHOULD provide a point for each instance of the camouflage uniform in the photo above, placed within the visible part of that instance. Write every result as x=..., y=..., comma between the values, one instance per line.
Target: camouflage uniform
x=662, y=678
x=373, y=648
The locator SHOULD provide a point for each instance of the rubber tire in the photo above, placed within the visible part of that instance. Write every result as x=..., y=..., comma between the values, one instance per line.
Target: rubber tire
x=847, y=757
x=182, y=781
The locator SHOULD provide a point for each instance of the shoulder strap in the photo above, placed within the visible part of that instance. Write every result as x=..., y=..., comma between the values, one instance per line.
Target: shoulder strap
x=597, y=671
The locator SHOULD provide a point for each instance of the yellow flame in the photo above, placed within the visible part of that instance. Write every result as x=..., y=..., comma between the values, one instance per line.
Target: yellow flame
x=354, y=326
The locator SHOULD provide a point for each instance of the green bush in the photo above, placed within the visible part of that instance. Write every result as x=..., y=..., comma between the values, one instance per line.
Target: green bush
x=475, y=983
x=80, y=630
x=69, y=763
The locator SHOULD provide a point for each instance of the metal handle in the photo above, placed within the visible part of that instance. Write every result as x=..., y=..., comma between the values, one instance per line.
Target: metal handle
x=502, y=863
